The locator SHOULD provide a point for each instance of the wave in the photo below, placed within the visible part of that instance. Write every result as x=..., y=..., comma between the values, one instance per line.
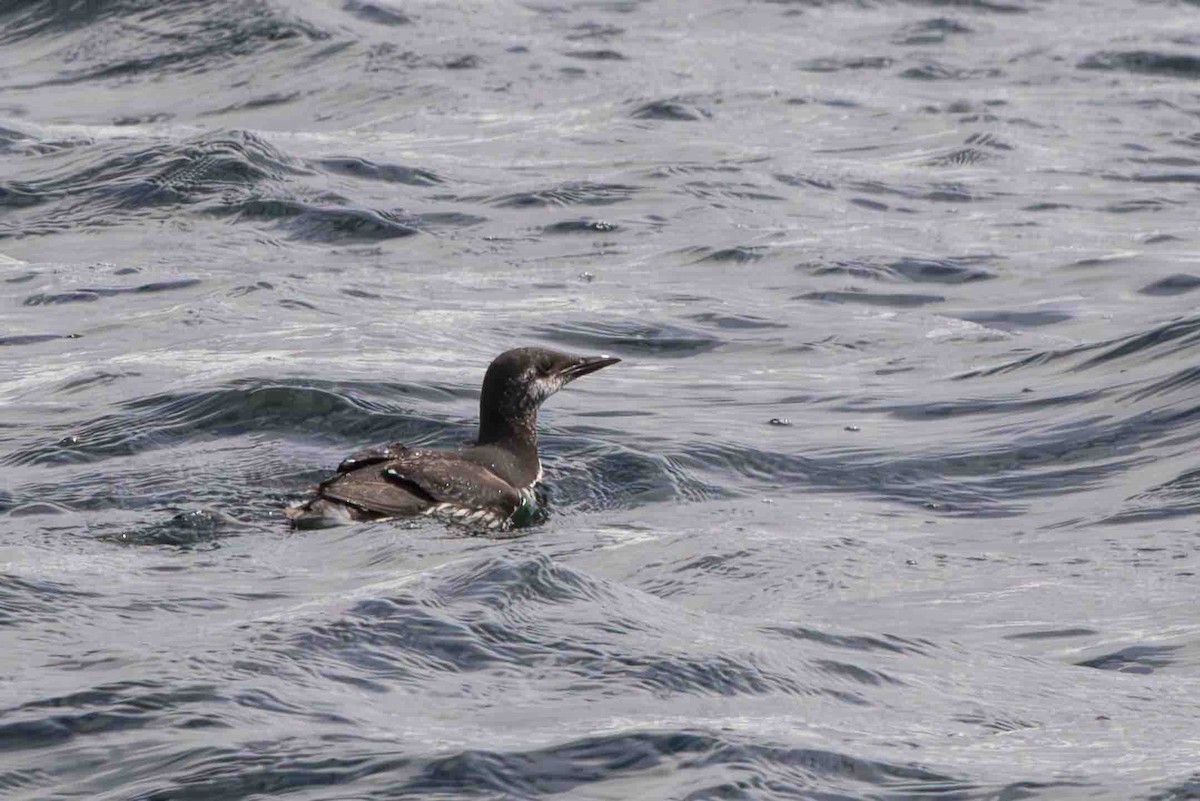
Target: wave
x=629, y=337
x=153, y=38
x=230, y=174
x=116, y=183
x=1161, y=341
x=951, y=270
x=1147, y=62
x=572, y=193
x=161, y=421
x=500, y=613
x=670, y=110
x=692, y=762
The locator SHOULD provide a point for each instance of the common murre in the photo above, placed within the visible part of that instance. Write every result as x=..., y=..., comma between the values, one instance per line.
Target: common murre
x=486, y=485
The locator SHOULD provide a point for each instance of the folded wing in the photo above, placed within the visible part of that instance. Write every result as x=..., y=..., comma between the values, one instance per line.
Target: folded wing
x=399, y=481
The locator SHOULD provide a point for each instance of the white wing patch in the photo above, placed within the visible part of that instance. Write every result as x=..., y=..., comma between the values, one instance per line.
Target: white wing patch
x=452, y=513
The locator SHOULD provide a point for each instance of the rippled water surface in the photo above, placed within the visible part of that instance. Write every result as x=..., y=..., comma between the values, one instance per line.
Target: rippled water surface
x=894, y=494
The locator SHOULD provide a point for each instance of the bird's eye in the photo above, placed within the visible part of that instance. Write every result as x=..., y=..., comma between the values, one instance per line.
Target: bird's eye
x=544, y=367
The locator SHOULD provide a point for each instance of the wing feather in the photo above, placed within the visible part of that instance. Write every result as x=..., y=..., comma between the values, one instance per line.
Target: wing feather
x=370, y=456
x=400, y=481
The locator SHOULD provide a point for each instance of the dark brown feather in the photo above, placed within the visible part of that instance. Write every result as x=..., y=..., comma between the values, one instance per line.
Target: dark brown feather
x=398, y=481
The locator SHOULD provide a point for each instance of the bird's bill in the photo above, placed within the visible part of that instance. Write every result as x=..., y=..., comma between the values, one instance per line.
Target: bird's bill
x=587, y=364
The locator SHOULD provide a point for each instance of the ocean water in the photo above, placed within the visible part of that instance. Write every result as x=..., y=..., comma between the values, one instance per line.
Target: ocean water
x=894, y=494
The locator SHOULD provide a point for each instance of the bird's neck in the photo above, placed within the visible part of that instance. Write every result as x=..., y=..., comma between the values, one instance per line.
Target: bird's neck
x=518, y=435
x=509, y=448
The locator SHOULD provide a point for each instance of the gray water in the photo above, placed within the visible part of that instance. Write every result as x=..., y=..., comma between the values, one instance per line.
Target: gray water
x=893, y=496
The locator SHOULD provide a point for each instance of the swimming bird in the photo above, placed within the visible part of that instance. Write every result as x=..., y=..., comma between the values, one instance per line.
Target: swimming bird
x=486, y=485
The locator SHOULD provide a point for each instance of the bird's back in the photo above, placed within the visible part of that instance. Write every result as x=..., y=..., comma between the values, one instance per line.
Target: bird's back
x=397, y=481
